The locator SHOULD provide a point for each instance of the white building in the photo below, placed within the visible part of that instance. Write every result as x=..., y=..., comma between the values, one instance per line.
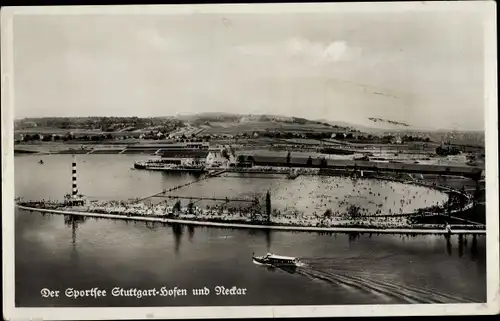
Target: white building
x=215, y=157
x=396, y=140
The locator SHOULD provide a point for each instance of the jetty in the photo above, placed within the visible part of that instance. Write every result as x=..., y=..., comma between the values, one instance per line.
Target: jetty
x=201, y=198
x=260, y=226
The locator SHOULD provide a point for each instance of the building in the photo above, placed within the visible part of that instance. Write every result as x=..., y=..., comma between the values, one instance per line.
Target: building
x=396, y=140
x=221, y=156
x=216, y=158
x=183, y=150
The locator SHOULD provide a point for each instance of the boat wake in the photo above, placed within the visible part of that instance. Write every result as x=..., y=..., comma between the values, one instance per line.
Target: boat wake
x=381, y=287
x=301, y=265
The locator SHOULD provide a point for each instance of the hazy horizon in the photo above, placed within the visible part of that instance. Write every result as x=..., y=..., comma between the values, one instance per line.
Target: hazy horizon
x=425, y=69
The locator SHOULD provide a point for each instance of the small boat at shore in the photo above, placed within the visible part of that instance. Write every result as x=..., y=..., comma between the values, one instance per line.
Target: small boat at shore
x=276, y=260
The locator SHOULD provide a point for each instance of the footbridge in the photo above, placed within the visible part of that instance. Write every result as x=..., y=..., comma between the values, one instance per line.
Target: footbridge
x=165, y=191
x=226, y=199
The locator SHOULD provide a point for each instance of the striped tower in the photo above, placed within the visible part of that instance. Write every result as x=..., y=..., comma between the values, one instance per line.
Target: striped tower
x=75, y=188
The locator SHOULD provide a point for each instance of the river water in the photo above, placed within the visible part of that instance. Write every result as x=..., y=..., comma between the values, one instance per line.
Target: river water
x=55, y=252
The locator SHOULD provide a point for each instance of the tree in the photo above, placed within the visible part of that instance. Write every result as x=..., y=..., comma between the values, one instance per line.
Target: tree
x=477, y=194
x=355, y=168
x=323, y=163
x=268, y=206
x=309, y=161
x=288, y=159
x=240, y=158
x=190, y=207
x=354, y=211
x=463, y=198
x=445, y=151
x=177, y=206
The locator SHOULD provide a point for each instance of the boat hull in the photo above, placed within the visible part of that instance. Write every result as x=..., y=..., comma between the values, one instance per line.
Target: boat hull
x=169, y=169
x=139, y=166
x=264, y=261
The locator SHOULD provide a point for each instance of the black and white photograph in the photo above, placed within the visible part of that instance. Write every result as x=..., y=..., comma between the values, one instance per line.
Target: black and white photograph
x=258, y=160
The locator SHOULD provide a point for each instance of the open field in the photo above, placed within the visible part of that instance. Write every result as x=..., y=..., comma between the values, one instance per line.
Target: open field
x=250, y=127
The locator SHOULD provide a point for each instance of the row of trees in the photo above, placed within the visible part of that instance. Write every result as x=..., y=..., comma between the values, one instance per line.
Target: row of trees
x=446, y=151
x=103, y=137
x=350, y=136
x=268, y=208
x=322, y=163
x=97, y=123
x=67, y=137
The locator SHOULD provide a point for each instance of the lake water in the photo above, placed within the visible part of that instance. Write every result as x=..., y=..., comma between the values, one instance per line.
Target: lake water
x=56, y=253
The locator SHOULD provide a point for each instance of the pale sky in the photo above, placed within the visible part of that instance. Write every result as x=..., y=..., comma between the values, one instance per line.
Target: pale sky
x=425, y=69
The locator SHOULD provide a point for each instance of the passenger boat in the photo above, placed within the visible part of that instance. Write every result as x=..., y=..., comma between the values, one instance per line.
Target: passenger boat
x=171, y=164
x=276, y=260
x=170, y=167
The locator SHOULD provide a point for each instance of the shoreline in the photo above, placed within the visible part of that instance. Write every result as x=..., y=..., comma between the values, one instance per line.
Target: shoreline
x=256, y=226
x=448, y=168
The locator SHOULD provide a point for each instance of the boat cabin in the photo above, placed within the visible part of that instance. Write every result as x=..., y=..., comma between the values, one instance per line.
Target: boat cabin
x=276, y=259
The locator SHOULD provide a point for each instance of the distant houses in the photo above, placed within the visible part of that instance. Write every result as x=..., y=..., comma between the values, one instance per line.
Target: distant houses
x=338, y=136
x=396, y=140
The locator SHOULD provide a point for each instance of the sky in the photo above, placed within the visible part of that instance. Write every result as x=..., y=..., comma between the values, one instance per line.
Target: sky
x=422, y=68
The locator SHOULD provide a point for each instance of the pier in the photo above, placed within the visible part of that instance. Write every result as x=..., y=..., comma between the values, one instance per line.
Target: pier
x=208, y=176
x=259, y=226
x=207, y=198
x=165, y=191
x=216, y=173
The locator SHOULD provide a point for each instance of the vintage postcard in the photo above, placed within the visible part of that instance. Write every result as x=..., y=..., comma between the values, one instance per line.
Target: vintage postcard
x=260, y=160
